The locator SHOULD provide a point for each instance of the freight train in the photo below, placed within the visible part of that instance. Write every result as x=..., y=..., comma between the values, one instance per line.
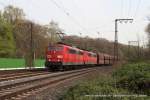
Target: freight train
x=65, y=57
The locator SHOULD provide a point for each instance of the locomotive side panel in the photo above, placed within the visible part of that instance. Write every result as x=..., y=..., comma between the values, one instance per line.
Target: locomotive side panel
x=62, y=57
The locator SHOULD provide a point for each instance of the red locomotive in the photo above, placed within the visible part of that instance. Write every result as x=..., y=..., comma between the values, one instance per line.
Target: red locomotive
x=63, y=57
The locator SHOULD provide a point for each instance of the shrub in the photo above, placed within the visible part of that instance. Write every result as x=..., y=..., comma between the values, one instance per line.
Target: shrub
x=97, y=87
x=135, y=77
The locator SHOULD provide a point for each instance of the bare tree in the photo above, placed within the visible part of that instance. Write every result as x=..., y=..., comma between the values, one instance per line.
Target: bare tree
x=148, y=35
x=12, y=14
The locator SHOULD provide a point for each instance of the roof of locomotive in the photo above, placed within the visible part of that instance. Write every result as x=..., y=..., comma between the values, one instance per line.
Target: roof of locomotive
x=68, y=46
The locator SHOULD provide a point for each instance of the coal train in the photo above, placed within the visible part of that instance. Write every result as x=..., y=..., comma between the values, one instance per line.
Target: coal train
x=65, y=57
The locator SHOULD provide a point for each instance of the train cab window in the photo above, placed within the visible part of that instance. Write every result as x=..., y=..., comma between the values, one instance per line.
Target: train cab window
x=55, y=48
x=72, y=51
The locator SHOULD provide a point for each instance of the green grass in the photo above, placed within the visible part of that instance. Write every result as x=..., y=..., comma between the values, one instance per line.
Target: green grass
x=17, y=63
x=137, y=75
x=39, y=62
x=98, y=86
x=133, y=78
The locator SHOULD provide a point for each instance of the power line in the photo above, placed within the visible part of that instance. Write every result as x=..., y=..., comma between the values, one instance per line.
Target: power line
x=58, y=6
x=122, y=7
x=82, y=12
x=125, y=8
x=75, y=5
x=137, y=9
x=62, y=5
x=129, y=10
x=68, y=14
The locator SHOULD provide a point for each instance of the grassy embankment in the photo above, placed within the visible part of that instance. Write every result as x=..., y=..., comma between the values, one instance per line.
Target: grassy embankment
x=130, y=79
x=17, y=63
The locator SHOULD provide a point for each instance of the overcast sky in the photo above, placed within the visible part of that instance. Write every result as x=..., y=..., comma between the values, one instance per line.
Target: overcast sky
x=89, y=16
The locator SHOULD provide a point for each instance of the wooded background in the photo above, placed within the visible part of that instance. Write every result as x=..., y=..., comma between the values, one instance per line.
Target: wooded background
x=15, y=38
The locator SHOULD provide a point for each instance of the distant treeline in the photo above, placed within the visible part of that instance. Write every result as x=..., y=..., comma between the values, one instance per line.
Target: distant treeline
x=15, y=37
x=15, y=34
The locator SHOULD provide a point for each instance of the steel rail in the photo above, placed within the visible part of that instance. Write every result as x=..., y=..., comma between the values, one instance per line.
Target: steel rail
x=16, y=76
x=39, y=82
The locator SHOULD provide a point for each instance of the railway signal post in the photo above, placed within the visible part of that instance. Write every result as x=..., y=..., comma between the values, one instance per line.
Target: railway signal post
x=116, y=55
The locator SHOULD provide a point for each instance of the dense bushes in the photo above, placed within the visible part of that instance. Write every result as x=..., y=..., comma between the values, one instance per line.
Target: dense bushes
x=131, y=80
x=94, y=87
x=7, y=43
x=97, y=89
x=135, y=77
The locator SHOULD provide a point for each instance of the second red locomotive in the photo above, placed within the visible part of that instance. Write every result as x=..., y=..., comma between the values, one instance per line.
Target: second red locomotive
x=63, y=57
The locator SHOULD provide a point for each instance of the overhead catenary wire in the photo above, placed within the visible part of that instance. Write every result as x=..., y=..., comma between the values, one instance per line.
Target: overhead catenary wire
x=126, y=8
x=80, y=11
x=130, y=4
x=135, y=15
x=137, y=9
x=58, y=6
x=69, y=15
x=62, y=5
x=122, y=7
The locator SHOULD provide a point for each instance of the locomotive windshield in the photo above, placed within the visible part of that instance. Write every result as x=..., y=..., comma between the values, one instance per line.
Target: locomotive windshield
x=52, y=48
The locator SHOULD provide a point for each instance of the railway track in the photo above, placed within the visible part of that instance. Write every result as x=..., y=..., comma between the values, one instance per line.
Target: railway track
x=22, y=87
x=20, y=75
x=7, y=72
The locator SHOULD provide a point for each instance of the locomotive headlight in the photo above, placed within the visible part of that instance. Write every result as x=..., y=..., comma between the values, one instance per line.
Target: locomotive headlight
x=59, y=56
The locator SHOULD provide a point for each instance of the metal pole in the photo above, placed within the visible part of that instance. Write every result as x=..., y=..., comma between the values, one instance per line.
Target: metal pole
x=31, y=46
x=129, y=49
x=116, y=42
x=138, y=49
x=116, y=54
x=99, y=35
